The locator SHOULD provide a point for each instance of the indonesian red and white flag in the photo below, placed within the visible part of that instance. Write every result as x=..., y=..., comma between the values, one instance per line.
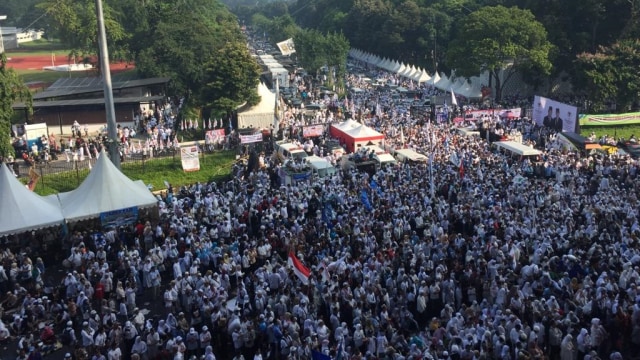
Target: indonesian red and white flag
x=301, y=271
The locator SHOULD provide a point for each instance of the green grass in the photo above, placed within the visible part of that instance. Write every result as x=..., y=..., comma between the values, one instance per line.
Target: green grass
x=41, y=45
x=616, y=131
x=154, y=172
x=48, y=76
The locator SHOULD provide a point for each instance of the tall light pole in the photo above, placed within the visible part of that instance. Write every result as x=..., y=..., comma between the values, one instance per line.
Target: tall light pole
x=110, y=111
x=2, y=17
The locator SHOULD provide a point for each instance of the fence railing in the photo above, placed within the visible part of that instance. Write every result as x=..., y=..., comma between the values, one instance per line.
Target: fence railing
x=68, y=172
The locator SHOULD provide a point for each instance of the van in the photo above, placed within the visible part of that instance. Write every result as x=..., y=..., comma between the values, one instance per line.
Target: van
x=408, y=155
x=320, y=166
x=382, y=157
x=290, y=150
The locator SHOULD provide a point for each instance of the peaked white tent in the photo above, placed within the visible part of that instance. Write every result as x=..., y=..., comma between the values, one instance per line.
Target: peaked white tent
x=434, y=79
x=259, y=116
x=444, y=83
x=105, y=189
x=23, y=210
x=424, y=77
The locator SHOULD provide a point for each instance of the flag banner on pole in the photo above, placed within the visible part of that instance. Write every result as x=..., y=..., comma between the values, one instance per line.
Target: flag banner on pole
x=301, y=271
x=317, y=355
x=287, y=47
x=33, y=179
x=454, y=101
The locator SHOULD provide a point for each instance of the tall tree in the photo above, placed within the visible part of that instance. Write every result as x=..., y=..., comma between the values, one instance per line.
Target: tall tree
x=610, y=75
x=502, y=41
x=12, y=89
x=76, y=24
x=229, y=83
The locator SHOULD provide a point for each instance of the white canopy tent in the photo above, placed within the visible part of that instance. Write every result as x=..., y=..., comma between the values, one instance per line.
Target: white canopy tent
x=424, y=77
x=23, y=210
x=444, y=83
x=261, y=115
x=105, y=189
x=434, y=79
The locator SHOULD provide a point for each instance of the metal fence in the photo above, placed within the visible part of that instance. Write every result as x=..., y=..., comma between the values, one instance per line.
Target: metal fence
x=67, y=172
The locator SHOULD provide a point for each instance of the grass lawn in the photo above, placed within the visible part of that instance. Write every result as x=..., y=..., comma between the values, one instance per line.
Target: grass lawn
x=616, y=131
x=49, y=77
x=154, y=172
x=42, y=44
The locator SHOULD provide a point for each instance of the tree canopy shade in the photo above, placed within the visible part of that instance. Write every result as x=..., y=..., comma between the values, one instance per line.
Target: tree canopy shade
x=611, y=74
x=12, y=89
x=76, y=24
x=500, y=39
x=168, y=38
x=229, y=83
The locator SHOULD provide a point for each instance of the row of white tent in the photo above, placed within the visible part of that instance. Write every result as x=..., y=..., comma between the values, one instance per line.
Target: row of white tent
x=105, y=189
x=471, y=88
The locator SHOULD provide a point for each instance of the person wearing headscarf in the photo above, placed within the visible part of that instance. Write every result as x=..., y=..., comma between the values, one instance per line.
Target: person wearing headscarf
x=139, y=347
x=208, y=353
x=583, y=343
x=568, y=350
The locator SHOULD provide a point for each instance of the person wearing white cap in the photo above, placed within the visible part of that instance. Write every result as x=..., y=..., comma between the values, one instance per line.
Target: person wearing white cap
x=205, y=338
x=191, y=342
x=68, y=336
x=87, y=335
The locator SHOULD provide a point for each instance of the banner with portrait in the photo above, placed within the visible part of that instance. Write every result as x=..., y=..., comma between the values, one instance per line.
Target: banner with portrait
x=554, y=114
x=216, y=136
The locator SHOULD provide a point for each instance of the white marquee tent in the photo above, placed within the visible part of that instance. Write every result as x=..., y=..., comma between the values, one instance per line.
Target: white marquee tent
x=260, y=116
x=105, y=189
x=23, y=210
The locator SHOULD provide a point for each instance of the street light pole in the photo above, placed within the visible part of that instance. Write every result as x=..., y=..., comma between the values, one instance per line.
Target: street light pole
x=110, y=111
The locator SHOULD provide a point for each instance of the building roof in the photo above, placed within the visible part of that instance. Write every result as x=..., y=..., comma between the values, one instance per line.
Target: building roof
x=85, y=85
x=82, y=102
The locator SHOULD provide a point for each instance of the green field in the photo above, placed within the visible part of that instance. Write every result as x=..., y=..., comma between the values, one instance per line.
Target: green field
x=49, y=77
x=615, y=131
x=213, y=167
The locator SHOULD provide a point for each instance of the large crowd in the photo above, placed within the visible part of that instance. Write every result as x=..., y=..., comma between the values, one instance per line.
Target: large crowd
x=497, y=262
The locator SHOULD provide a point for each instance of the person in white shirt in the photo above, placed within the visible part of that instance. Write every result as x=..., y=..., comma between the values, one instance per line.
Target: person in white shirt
x=114, y=353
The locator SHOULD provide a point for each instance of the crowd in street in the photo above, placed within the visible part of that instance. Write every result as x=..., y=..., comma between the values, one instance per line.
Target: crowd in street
x=481, y=259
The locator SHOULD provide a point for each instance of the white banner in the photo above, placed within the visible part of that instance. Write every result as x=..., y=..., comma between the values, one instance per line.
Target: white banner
x=248, y=139
x=554, y=114
x=190, y=159
x=287, y=47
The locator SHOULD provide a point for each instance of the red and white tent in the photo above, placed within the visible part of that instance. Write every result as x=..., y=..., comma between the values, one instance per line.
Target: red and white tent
x=354, y=135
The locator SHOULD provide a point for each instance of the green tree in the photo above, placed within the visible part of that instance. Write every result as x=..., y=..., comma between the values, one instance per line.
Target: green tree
x=611, y=74
x=311, y=49
x=229, y=83
x=500, y=40
x=12, y=89
x=76, y=24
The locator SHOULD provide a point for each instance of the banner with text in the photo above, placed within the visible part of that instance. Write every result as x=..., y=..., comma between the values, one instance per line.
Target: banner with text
x=554, y=114
x=312, y=131
x=215, y=136
x=474, y=115
x=287, y=47
x=190, y=159
x=249, y=139
x=119, y=218
x=609, y=119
